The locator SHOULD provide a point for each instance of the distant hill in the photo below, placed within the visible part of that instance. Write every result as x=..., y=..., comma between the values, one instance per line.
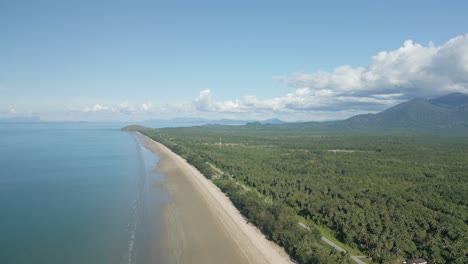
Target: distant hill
x=449, y=112
x=274, y=121
x=134, y=128
x=446, y=112
x=442, y=113
x=21, y=119
x=187, y=121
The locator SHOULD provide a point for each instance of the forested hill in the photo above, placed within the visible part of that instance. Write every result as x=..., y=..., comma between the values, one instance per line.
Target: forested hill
x=449, y=112
x=446, y=112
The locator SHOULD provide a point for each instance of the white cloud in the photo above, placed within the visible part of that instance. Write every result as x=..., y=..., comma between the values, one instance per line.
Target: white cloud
x=146, y=106
x=301, y=101
x=123, y=108
x=13, y=111
x=413, y=70
x=126, y=108
x=98, y=108
x=410, y=71
x=204, y=102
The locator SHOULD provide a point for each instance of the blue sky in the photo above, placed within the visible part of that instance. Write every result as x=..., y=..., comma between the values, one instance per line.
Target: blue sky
x=297, y=60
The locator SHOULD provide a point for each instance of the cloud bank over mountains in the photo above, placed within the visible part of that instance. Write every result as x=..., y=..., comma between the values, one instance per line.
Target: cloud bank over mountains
x=413, y=70
x=391, y=77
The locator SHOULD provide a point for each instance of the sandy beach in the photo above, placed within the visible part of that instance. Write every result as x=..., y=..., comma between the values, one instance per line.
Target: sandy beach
x=201, y=224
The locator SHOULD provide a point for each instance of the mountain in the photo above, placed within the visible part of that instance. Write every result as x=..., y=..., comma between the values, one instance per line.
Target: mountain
x=274, y=121
x=449, y=112
x=451, y=100
x=445, y=112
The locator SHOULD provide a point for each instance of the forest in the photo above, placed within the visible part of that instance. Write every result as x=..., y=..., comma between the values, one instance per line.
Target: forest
x=390, y=195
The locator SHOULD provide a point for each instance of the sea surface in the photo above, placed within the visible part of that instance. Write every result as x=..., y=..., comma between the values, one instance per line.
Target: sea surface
x=78, y=193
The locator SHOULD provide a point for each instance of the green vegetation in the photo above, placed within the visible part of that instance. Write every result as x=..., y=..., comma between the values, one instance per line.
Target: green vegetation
x=134, y=128
x=449, y=112
x=391, y=196
x=446, y=112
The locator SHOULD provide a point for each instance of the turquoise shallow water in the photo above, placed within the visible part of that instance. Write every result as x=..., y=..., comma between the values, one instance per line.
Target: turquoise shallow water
x=77, y=193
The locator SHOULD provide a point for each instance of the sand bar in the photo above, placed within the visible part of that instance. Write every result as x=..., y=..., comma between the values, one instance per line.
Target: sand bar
x=201, y=224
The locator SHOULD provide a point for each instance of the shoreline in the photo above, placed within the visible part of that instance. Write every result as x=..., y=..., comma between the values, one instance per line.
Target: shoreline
x=201, y=224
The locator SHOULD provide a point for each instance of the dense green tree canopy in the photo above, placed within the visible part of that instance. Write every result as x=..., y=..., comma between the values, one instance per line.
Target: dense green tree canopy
x=392, y=196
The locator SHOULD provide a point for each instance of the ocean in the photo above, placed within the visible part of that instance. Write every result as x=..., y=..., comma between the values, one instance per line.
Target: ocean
x=78, y=193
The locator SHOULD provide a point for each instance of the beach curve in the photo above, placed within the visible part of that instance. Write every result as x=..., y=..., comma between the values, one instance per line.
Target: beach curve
x=201, y=223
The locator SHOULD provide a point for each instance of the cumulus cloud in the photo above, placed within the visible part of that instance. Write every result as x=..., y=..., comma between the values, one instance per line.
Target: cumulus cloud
x=390, y=77
x=123, y=108
x=98, y=108
x=146, y=106
x=302, y=100
x=204, y=102
x=412, y=70
x=126, y=108
x=123, y=111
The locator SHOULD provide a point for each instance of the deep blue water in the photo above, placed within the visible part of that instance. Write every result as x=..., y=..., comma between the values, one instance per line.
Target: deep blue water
x=77, y=193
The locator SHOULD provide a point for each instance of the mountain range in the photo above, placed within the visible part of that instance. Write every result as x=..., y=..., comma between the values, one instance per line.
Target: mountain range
x=187, y=121
x=441, y=113
x=445, y=112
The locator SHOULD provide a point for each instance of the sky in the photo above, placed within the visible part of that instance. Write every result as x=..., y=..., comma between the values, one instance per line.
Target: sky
x=295, y=60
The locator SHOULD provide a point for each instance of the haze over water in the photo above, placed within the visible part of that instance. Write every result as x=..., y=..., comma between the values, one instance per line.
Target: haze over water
x=77, y=193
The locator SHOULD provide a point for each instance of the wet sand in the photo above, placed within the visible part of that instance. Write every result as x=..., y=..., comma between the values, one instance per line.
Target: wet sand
x=201, y=224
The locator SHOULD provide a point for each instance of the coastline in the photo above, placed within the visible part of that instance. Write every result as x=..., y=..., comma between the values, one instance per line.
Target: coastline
x=201, y=224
